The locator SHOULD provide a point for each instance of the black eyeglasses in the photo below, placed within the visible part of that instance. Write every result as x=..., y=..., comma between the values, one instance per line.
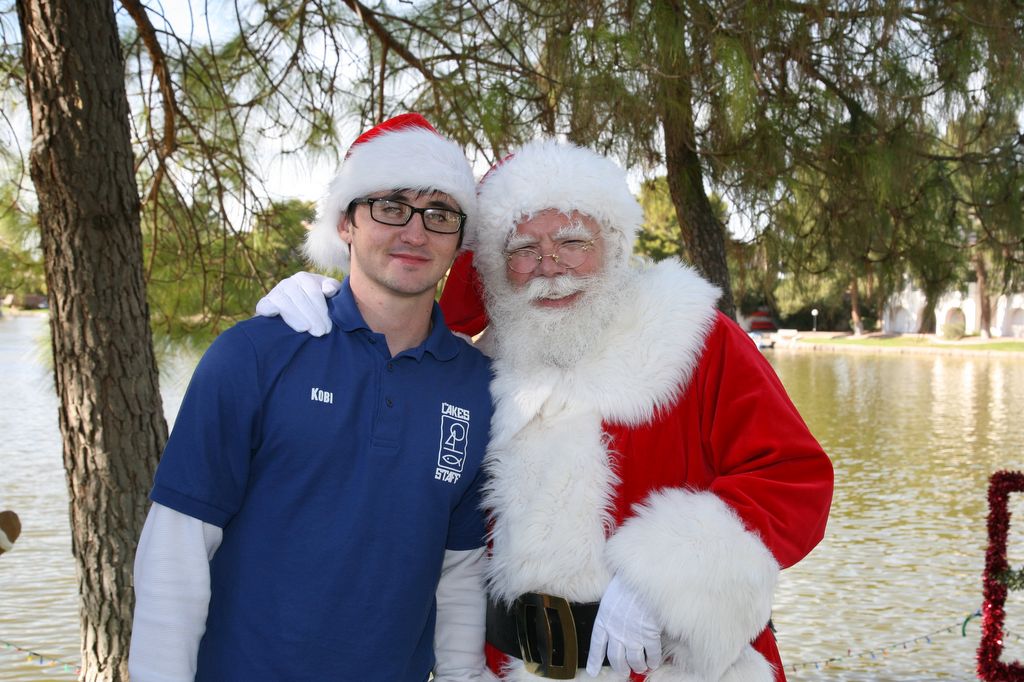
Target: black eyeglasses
x=399, y=213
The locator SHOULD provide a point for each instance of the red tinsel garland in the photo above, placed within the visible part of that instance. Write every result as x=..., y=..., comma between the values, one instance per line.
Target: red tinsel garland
x=990, y=668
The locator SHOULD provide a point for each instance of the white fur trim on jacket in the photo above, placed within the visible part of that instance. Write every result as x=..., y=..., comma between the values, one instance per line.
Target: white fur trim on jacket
x=550, y=477
x=406, y=158
x=709, y=580
x=550, y=488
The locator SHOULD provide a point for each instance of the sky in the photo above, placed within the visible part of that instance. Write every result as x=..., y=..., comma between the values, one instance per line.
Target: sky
x=205, y=20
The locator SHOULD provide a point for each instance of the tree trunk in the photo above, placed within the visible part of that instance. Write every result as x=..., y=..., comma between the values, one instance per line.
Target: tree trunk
x=927, y=324
x=984, y=303
x=111, y=416
x=702, y=233
x=858, y=323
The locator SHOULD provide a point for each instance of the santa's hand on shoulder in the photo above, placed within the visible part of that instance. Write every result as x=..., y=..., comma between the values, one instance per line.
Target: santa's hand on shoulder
x=626, y=629
x=301, y=301
x=10, y=529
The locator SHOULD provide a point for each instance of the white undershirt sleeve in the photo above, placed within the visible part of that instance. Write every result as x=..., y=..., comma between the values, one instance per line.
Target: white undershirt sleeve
x=461, y=612
x=172, y=595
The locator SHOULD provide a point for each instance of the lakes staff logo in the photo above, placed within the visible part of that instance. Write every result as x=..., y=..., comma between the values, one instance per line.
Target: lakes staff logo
x=451, y=454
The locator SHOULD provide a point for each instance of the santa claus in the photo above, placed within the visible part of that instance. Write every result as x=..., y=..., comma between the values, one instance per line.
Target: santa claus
x=648, y=475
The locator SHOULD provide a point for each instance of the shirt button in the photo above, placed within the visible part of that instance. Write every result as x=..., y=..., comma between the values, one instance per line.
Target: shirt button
x=389, y=402
x=391, y=367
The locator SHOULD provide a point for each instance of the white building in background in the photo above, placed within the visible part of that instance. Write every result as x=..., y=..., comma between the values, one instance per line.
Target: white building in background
x=902, y=314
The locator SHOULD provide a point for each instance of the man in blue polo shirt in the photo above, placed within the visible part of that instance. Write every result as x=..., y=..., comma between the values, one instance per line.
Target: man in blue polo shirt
x=316, y=511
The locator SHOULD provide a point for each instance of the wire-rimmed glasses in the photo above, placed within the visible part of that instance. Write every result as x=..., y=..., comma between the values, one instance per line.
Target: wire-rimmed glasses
x=569, y=254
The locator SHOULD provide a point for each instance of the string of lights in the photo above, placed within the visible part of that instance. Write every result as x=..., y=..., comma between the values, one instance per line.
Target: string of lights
x=881, y=652
x=32, y=656
x=851, y=654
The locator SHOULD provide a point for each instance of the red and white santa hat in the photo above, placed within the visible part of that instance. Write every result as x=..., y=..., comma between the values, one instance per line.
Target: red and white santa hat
x=547, y=174
x=542, y=175
x=404, y=152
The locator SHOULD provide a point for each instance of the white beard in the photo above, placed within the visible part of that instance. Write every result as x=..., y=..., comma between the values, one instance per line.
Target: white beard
x=526, y=334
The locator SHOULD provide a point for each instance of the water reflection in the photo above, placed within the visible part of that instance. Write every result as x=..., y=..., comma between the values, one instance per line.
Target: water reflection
x=913, y=439
x=38, y=586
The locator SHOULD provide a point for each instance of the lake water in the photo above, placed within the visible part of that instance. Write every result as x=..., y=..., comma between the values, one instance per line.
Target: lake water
x=913, y=438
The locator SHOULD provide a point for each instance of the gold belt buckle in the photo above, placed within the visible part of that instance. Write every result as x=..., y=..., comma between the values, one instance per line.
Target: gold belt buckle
x=537, y=607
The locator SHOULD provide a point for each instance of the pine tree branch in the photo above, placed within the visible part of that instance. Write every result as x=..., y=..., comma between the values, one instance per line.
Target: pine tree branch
x=369, y=18
x=156, y=53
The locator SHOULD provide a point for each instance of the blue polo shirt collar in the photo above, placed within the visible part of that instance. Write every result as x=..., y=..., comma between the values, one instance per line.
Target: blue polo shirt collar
x=440, y=343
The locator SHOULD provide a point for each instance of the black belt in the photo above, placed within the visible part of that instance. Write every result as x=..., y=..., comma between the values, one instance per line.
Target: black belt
x=550, y=634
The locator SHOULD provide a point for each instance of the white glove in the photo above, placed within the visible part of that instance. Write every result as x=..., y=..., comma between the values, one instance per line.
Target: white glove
x=624, y=626
x=301, y=301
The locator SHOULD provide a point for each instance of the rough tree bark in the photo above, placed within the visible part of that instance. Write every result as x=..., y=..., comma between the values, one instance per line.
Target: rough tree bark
x=928, y=323
x=111, y=416
x=703, y=234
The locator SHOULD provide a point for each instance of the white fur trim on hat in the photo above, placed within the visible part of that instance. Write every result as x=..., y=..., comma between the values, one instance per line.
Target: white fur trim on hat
x=548, y=174
x=708, y=578
x=410, y=157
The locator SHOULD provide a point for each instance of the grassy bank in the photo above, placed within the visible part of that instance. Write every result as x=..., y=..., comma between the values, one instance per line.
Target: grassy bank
x=909, y=343
x=18, y=312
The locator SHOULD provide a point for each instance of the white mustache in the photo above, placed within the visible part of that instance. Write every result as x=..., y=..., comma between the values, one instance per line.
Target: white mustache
x=554, y=287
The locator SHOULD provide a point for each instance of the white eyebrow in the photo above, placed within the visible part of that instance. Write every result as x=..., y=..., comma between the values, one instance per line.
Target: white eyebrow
x=574, y=230
x=519, y=241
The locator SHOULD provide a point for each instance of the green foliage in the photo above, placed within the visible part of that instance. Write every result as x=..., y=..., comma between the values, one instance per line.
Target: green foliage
x=205, y=276
x=796, y=296
x=953, y=330
x=268, y=87
x=739, y=93
x=850, y=162
x=989, y=187
x=659, y=238
x=21, y=260
x=1012, y=579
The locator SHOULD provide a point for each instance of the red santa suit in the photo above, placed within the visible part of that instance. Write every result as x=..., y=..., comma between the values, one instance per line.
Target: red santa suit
x=668, y=455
